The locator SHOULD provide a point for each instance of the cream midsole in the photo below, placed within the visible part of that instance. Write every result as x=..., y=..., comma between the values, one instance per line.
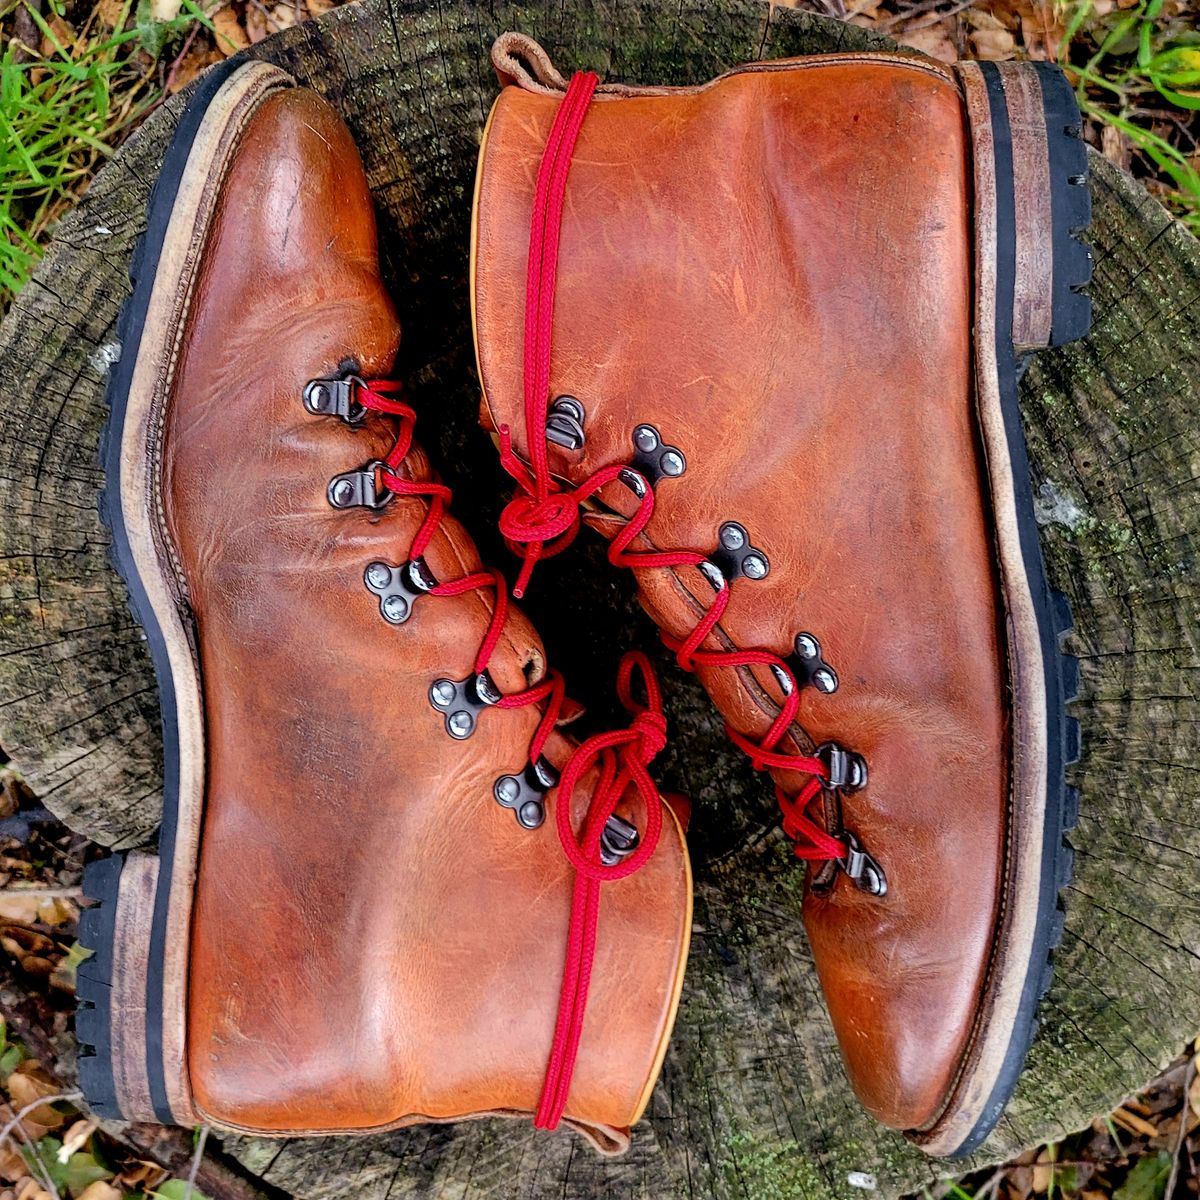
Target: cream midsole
x=141, y=514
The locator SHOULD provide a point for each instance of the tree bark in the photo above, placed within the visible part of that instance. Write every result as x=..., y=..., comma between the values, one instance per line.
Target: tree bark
x=753, y=1102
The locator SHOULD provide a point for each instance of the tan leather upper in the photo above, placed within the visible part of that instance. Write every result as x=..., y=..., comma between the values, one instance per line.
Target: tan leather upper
x=375, y=940
x=774, y=270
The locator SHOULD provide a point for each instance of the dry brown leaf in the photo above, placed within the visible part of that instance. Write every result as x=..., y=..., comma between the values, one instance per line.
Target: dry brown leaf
x=142, y=1175
x=100, y=1190
x=29, y=1083
x=32, y=1128
x=20, y=908
x=75, y=1138
x=1043, y=27
x=935, y=40
x=1194, y=1091
x=64, y=36
x=12, y=1163
x=230, y=36
x=22, y=942
x=27, y=907
x=979, y=18
x=993, y=45
x=284, y=15
x=110, y=13
x=318, y=8
x=257, y=25
x=32, y=1190
x=1043, y=1171
x=198, y=59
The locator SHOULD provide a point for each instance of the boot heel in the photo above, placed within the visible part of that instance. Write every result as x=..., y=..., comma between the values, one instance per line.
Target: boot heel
x=1031, y=165
x=110, y=1021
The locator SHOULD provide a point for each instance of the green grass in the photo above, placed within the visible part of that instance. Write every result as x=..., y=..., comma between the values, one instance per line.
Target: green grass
x=63, y=112
x=1142, y=69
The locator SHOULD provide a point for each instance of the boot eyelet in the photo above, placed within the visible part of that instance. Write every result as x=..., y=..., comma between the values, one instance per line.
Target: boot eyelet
x=618, y=840
x=735, y=557
x=525, y=793
x=564, y=423
x=844, y=770
x=653, y=459
x=809, y=667
x=398, y=588
x=335, y=398
x=861, y=868
x=360, y=489
x=462, y=700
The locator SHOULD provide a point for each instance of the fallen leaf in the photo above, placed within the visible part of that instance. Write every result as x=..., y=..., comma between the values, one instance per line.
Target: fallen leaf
x=165, y=10
x=29, y=1083
x=198, y=59
x=63, y=977
x=284, y=15
x=228, y=31
x=20, y=907
x=141, y=1176
x=1043, y=1171
x=934, y=40
x=176, y=1189
x=993, y=45
x=982, y=18
x=100, y=1190
x=111, y=13
x=62, y=36
x=12, y=1163
x=82, y=1171
x=1148, y=1179
x=74, y=1139
x=257, y=26
x=318, y=8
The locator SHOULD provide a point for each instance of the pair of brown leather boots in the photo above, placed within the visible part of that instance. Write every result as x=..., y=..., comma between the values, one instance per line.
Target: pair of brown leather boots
x=763, y=335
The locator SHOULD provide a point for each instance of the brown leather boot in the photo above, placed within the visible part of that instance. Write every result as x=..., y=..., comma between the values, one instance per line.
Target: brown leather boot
x=381, y=860
x=787, y=312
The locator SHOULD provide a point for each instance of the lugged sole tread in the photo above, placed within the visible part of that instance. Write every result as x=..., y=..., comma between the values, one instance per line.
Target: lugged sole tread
x=1072, y=207
x=93, y=986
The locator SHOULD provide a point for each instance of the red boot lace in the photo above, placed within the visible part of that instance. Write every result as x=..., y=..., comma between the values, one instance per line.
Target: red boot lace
x=620, y=756
x=543, y=517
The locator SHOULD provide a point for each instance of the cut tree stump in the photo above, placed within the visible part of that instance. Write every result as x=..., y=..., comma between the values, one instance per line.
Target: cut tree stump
x=753, y=1102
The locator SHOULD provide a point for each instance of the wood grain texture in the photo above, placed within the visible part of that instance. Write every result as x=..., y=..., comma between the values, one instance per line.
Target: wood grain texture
x=753, y=1102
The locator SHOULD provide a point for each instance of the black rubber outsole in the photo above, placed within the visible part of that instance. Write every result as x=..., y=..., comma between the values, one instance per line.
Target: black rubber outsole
x=1071, y=319
x=95, y=1013
x=93, y=987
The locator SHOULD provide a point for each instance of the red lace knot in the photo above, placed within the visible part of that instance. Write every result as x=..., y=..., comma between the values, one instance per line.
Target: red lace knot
x=528, y=519
x=650, y=732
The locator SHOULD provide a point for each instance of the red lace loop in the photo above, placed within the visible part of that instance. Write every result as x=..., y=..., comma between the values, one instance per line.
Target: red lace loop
x=621, y=756
x=543, y=517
